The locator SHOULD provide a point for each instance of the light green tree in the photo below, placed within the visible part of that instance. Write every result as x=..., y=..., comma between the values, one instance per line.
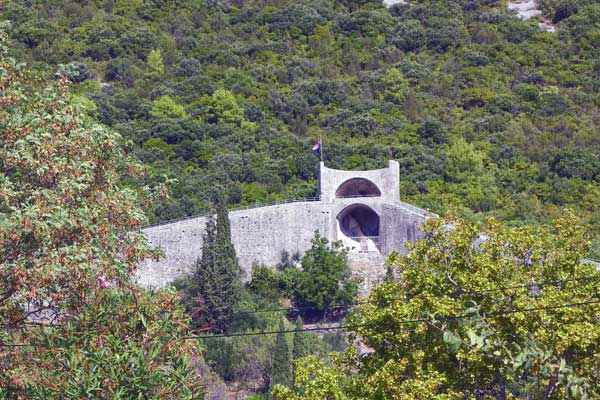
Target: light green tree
x=167, y=107
x=394, y=86
x=155, y=63
x=222, y=106
x=484, y=312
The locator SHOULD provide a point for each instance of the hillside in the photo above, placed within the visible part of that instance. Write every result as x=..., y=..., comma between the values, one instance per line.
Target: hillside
x=487, y=114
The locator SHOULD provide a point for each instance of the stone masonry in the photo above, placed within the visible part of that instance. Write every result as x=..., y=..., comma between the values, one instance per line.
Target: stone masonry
x=360, y=208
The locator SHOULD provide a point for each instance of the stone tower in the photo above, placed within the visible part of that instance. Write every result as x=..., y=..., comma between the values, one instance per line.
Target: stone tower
x=362, y=209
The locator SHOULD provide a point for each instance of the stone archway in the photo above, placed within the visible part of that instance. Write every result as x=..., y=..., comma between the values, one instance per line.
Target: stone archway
x=358, y=228
x=357, y=187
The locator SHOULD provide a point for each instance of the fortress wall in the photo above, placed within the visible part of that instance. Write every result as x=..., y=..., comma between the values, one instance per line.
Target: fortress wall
x=262, y=234
x=258, y=234
x=400, y=224
x=181, y=243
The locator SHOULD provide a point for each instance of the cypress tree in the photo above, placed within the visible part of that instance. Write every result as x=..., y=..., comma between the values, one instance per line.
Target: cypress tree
x=301, y=345
x=223, y=244
x=217, y=275
x=282, y=371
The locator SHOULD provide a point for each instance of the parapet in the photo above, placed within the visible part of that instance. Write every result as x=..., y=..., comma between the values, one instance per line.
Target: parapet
x=383, y=183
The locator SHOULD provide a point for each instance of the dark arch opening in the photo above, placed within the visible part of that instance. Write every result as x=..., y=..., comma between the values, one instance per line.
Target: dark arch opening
x=360, y=223
x=357, y=187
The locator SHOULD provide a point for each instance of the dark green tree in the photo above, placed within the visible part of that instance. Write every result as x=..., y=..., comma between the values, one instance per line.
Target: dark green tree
x=224, y=249
x=282, y=372
x=216, y=290
x=325, y=277
x=301, y=342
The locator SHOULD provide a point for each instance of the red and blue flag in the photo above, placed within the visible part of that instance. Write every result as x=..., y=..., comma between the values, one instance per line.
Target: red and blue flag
x=317, y=147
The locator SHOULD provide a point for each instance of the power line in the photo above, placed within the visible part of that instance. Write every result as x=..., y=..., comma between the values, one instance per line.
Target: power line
x=292, y=308
x=404, y=322
x=344, y=327
x=395, y=323
x=323, y=328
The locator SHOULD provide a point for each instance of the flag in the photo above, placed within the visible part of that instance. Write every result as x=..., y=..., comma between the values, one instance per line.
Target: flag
x=317, y=147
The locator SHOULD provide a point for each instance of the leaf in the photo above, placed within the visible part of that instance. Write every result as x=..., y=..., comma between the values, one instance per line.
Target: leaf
x=453, y=340
x=475, y=339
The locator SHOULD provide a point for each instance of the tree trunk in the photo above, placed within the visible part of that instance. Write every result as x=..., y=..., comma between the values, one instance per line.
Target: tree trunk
x=550, y=388
x=502, y=387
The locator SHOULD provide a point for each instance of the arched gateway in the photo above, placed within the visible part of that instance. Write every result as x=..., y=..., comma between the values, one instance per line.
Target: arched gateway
x=358, y=228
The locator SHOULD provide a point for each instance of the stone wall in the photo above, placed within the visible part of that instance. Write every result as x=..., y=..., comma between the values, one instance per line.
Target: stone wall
x=400, y=224
x=259, y=235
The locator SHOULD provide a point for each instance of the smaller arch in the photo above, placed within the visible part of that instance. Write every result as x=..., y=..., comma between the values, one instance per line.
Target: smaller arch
x=358, y=187
x=358, y=227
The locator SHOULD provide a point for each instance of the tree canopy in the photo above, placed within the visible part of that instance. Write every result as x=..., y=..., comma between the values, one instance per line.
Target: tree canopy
x=324, y=279
x=72, y=324
x=473, y=311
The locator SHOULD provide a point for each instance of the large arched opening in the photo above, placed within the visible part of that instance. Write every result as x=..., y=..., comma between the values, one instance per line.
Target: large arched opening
x=357, y=187
x=358, y=228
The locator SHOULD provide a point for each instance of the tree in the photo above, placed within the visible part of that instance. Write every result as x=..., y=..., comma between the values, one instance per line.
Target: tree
x=264, y=284
x=409, y=35
x=325, y=278
x=223, y=107
x=476, y=312
x=216, y=286
x=73, y=324
x=167, y=107
x=394, y=86
x=155, y=63
x=282, y=366
x=301, y=343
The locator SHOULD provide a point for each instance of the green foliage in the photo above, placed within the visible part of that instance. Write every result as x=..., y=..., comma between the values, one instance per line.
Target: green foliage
x=474, y=311
x=222, y=106
x=155, y=64
x=487, y=115
x=282, y=365
x=301, y=344
x=254, y=85
x=395, y=86
x=167, y=107
x=248, y=361
x=73, y=323
x=324, y=278
x=119, y=346
x=213, y=291
x=253, y=361
x=265, y=283
x=76, y=72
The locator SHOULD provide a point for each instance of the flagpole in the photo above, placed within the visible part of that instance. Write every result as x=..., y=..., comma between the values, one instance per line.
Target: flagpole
x=321, y=140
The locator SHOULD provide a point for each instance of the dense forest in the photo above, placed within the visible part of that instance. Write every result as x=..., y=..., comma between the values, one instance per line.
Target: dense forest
x=143, y=111
x=486, y=114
